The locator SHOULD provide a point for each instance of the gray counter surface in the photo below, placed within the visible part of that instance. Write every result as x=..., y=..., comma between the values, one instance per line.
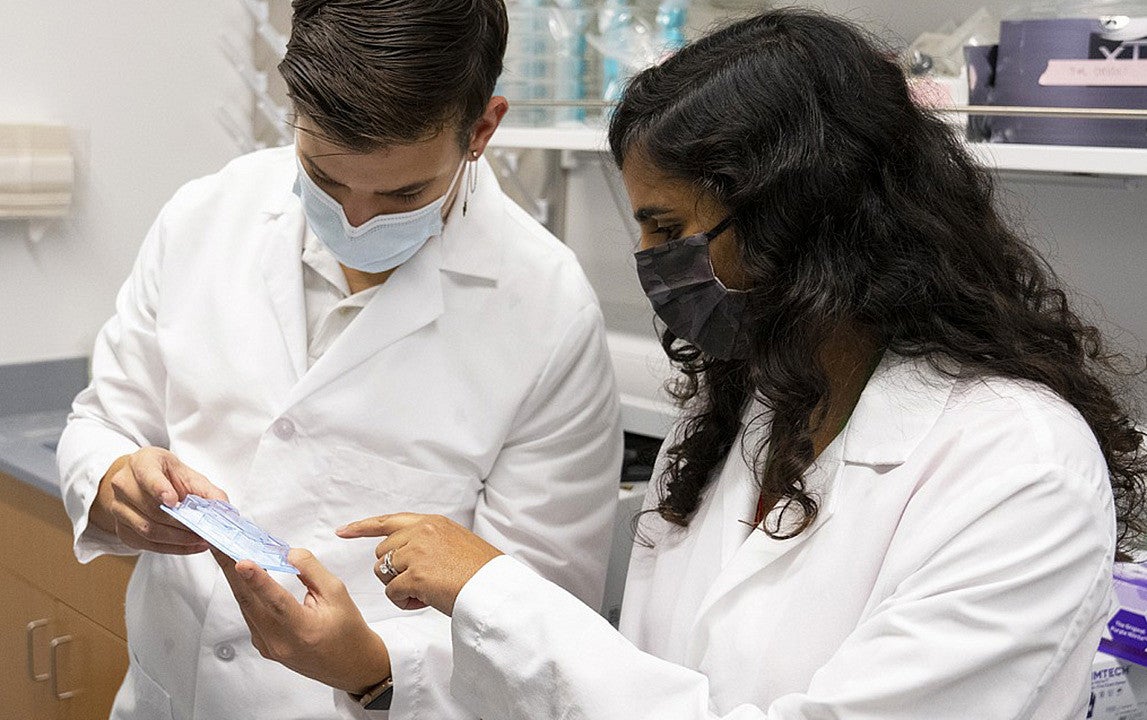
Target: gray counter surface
x=34, y=402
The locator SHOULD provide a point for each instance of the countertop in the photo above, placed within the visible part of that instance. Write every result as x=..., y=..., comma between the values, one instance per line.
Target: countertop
x=34, y=403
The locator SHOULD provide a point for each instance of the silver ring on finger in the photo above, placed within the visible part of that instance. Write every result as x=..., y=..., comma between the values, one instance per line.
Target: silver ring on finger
x=387, y=565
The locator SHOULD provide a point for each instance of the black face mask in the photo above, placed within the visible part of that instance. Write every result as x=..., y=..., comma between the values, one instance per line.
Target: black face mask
x=678, y=279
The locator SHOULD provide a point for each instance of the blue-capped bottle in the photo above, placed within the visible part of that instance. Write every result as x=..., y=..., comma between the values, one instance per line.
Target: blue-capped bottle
x=572, y=20
x=613, y=24
x=671, y=18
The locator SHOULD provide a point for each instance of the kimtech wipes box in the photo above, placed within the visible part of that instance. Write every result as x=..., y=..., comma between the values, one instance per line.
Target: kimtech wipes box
x=1118, y=690
x=1118, y=675
x=1125, y=636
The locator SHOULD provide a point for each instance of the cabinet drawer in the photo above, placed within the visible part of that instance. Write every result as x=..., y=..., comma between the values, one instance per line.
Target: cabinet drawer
x=37, y=537
x=27, y=624
x=91, y=664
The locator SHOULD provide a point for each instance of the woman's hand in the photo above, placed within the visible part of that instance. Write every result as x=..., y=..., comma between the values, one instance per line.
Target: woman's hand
x=432, y=556
x=325, y=637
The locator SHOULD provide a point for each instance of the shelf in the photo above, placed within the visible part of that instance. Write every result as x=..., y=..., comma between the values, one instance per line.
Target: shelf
x=1061, y=159
x=590, y=139
x=1066, y=159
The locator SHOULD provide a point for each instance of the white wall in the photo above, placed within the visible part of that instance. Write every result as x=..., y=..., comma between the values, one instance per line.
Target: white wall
x=139, y=82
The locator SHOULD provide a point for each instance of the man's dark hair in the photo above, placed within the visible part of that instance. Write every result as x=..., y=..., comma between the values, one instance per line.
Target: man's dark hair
x=374, y=73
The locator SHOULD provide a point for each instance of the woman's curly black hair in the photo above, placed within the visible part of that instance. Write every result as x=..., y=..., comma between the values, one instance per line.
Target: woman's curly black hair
x=851, y=205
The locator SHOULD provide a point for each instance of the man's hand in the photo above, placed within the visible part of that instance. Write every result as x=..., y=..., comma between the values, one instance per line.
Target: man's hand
x=325, y=637
x=127, y=502
x=432, y=557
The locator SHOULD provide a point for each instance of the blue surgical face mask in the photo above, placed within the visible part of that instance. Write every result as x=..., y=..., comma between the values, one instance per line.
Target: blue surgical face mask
x=382, y=243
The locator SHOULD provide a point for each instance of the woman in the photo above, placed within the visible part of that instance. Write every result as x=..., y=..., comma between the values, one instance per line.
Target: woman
x=901, y=475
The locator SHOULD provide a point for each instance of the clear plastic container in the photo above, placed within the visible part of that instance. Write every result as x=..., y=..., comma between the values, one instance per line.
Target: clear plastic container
x=545, y=61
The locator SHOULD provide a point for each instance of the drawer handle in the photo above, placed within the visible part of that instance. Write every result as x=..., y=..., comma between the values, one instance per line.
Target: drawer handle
x=30, y=635
x=53, y=655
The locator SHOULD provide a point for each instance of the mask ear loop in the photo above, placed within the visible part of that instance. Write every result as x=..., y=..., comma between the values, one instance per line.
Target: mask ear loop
x=471, y=180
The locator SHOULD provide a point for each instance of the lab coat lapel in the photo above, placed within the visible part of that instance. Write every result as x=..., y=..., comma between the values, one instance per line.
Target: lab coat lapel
x=471, y=243
x=739, y=492
x=282, y=270
x=902, y=401
x=756, y=549
x=409, y=300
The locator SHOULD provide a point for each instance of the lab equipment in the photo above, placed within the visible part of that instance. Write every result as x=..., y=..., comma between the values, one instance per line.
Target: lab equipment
x=260, y=11
x=611, y=24
x=671, y=15
x=941, y=52
x=219, y=523
x=569, y=24
x=546, y=60
x=530, y=62
x=628, y=44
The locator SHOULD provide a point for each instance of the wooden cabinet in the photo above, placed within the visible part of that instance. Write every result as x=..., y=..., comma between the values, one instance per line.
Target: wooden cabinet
x=63, y=651
x=26, y=624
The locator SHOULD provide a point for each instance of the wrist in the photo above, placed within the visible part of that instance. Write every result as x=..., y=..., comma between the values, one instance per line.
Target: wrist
x=374, y=666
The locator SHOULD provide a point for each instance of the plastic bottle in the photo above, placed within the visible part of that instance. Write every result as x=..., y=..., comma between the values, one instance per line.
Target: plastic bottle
x=615, y=17
x=671, y=16
x=526, y=75
x=570, y=71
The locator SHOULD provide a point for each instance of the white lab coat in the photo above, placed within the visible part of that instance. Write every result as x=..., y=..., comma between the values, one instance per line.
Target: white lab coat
x=959, y=569
x=475, y=384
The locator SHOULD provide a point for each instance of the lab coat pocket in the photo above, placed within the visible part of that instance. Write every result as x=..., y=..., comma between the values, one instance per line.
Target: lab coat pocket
x=379, y=486
x=361, y=485
x=141, y=697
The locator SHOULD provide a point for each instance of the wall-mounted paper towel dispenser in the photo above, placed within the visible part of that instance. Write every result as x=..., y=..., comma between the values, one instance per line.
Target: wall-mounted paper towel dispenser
x=37, y=171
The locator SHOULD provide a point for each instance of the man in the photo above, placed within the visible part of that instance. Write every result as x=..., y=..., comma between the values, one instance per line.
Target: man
x=359, y=324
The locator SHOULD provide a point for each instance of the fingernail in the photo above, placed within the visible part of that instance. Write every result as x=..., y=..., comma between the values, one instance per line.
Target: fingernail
x=168, y=499
x=341, y=529
x=246, y=573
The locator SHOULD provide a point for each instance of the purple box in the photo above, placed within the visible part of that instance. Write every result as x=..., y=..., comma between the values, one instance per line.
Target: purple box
x=1126, y=634
x=1067, y=62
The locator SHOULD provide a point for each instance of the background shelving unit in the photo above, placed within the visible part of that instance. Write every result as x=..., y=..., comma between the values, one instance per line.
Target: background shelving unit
x=1062, y=159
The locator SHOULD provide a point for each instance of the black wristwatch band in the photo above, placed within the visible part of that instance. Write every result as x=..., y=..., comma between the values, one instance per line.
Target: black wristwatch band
x=378, y=697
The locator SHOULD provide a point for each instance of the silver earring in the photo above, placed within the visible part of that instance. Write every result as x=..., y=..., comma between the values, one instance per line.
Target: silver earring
x=471, y=181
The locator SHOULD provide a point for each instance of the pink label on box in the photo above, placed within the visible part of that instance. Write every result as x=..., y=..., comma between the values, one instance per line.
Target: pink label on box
x=1095, y=73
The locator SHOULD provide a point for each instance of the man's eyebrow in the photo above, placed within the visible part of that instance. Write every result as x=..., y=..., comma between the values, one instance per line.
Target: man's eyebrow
x=312, y=165
x=407, y=189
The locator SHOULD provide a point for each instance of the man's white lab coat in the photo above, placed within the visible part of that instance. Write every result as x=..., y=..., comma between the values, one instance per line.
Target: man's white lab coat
x=959, y=569
x=475, y=384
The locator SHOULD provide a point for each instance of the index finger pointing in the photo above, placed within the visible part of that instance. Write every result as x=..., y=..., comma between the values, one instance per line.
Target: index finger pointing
x=378, y=526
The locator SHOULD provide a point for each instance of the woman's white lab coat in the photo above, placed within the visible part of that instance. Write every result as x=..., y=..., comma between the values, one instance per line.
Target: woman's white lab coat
x=476, y=384
x=959, y=569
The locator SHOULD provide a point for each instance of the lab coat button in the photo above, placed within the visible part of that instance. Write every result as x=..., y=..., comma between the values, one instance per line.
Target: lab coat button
x=284, y=429
x=225, y=652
